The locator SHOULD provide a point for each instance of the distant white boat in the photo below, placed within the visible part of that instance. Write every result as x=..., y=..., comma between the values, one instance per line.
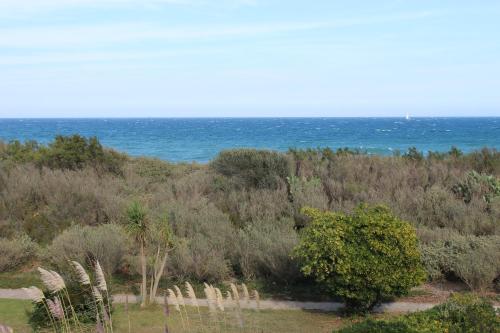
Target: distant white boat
x=407, y=116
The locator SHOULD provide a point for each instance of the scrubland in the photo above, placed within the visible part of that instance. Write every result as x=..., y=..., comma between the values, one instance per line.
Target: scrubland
x=239, y=216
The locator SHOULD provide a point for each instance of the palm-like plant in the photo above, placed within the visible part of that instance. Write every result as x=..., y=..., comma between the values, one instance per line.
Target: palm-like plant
x=138, y=228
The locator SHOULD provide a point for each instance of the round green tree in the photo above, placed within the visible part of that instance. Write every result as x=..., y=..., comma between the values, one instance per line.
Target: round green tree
x=363, y=257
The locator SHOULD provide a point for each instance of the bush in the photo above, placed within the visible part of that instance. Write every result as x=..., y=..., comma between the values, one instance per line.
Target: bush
x=107, y=243
x=474, y=260
x=43, y=202
x=16, y=252
x=204, y=239
x=264, y=249
x=65, y=152
x=460, y=314
x=251, y=168
x=486, y=187
x=364, y=257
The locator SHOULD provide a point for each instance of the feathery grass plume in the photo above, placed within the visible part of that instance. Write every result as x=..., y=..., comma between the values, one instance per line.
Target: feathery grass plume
x=209, y=294
x=229, y=298
x=54, y=283
x=191, y=294
x=219, y=299
x=35, y=294
x=194, y=300
x=231, y=302
x=101, y=280
x=180, y=297
x=246, y=295
x=256, y=296
x=55, y=308
x=59, y=281
x=6, y=329
x=175, y=302
x=236, y=295
x=97, y=294
x=83, y=277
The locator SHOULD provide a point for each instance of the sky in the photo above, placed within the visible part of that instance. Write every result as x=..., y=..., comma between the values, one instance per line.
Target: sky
x=246, y=58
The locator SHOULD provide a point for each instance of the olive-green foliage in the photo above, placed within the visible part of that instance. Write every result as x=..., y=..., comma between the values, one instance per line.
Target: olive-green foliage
x=251, y=168
x=364, y=257
x=16, y=251
x=460, y=314
x=43, y=202
x=225, y=221
x=473, y=259
x=107, y=243
x=486, y=187
x=204, y=239
x=413, y=155
x=137, y=224
x=65, y=152
x=264, y=249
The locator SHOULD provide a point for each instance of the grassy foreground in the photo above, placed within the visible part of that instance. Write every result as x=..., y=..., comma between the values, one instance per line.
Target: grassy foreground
x=13, y=314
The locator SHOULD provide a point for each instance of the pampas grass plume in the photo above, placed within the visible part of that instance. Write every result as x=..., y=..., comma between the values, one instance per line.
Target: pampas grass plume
x=55, y=308
x=35, y=294
x=83, y=277
x=180, y=297
x=219, y=299
x=236, y=295
x=6, y=329
x=175, y=302
x=246, y=295
x=101, y=280
x=53, y=281
x=97, y=294
x=191, y=294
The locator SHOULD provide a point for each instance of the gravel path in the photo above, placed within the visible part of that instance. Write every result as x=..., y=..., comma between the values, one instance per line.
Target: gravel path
x=264, y=304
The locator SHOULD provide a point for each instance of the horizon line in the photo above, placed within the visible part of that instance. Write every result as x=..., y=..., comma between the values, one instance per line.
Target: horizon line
x=249, y=117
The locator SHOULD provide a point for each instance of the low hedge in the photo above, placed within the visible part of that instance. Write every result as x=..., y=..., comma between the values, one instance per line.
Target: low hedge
x=460, y=314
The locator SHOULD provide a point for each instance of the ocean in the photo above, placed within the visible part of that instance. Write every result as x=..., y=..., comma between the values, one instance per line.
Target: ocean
x=200, y=139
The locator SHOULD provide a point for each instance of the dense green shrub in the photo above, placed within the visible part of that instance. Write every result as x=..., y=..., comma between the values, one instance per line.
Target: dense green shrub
x=413, y=155
x=460, y=314
x=65, y=152
x=107, y=243
x=251, y=168
x=474, y=260
x=16, y=252
x=364, y=257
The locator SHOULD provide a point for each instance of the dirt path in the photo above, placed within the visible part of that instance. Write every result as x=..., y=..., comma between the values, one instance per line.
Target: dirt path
x=395, y=307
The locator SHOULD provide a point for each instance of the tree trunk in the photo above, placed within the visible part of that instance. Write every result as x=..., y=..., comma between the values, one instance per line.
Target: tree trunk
x=153, y=276
x=144, y=287
x=158, y=275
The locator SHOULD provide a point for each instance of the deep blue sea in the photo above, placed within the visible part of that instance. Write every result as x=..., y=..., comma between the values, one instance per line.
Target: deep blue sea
x=200, y=139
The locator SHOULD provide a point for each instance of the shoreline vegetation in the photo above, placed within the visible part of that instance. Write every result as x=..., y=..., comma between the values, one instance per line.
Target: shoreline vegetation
x=243, y=216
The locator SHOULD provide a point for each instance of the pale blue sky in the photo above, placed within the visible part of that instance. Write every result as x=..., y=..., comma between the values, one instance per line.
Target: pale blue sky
x=99, y=58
